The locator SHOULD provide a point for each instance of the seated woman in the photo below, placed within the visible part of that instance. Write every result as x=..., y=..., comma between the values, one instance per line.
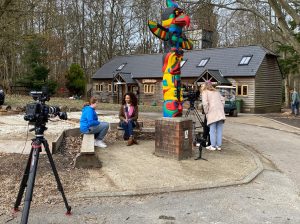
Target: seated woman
x=89, y=123
x=128, y=115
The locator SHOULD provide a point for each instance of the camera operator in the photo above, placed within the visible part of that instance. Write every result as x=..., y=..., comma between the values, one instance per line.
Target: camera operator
x=89, y=123
x=213, y=105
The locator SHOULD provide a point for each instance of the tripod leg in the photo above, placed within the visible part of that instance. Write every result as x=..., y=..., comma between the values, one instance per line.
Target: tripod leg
x=198, y=116
x=30, y=183
x=200, y=153
x=59, y=185
x=23, y=183
x=188, y=112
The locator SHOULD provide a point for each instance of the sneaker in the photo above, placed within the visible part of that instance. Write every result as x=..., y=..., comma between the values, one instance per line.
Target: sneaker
x=100, y=143
x=211, y=148
x=219, y=148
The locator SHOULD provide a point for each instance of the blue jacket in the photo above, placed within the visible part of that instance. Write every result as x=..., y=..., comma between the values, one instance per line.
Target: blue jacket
x=88, y=118
x=295, y=97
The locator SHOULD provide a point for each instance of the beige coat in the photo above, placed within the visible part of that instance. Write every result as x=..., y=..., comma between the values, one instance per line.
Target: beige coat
x=213, y=105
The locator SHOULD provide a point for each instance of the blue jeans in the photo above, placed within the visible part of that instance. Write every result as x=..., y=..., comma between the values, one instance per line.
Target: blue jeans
x=99, y=130
x=128, y=127
x=295, y=108
x=215, y=133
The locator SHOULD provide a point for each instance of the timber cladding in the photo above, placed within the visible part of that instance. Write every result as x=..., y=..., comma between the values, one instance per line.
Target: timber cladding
x=247, y=98
x=268, y=87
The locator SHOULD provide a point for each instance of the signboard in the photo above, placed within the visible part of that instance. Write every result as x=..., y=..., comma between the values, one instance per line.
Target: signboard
x=149, y=81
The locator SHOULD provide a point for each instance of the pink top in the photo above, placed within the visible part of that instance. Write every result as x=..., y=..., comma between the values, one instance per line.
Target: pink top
x=130, y=111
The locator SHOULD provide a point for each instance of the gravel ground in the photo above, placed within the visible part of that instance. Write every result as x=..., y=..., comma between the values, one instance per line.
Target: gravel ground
x=12, y=166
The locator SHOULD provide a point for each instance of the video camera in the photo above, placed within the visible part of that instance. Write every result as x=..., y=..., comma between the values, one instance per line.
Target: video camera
x=191, y=94
x=38, y=112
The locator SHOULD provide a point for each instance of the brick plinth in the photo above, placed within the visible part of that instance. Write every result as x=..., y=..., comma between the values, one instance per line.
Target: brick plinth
x=173, y=137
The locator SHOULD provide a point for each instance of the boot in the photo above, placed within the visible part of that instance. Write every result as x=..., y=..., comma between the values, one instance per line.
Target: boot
x=130, y=141
x=135, y=141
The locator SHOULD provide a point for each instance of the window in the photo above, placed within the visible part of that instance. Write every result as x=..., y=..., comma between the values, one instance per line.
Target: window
x=115, y=88
x=99, y=87
x=203, y=62
x=109, y=87
x=152, y=87
x=245, y=60
x=182, y=63
x=242, y=90
x=121, y=67
x=149, y=88
x=146, y=88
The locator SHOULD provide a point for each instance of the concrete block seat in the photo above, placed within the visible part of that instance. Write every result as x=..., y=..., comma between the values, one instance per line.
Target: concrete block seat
x=87, y=157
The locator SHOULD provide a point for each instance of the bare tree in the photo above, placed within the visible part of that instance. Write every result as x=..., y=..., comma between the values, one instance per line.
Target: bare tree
x=282, y=13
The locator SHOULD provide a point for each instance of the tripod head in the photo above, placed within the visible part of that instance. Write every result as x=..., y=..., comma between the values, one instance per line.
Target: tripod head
x=37, y=113
x=191, y=95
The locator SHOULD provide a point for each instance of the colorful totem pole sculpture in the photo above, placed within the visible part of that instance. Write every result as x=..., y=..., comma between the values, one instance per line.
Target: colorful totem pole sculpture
x=173, y=22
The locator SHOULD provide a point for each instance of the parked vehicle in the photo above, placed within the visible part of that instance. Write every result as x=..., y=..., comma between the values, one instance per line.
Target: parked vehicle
x=229, y=93
x=2, y=96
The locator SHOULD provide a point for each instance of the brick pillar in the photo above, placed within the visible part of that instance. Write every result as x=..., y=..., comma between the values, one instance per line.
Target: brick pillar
x=173, y=137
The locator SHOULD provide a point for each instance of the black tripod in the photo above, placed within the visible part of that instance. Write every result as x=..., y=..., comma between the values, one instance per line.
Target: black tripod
x=197, y=140
x=30, y=173
x=193, y=109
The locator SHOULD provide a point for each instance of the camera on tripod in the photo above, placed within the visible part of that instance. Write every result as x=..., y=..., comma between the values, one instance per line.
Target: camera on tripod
x=38, y=112
x=191, y=94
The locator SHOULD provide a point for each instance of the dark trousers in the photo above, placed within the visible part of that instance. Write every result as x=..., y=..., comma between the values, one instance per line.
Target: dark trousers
x=295, y=108
x=206, y=131
x=128, y=127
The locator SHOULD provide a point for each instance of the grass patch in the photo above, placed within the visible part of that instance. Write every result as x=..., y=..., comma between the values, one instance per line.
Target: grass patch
x=74, y=105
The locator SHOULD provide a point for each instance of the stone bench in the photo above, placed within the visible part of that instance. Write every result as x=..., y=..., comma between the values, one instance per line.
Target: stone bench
x=87, y=157
x=137, y=131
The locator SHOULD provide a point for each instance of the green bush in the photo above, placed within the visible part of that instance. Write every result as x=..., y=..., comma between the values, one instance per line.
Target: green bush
x=76, y=80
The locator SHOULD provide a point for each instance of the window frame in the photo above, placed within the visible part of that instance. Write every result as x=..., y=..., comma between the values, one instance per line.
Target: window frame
x=109, y=87
x=121, y=67
x=205, y=61
x=245, y=60
x=182, y=63
x=149, y=88
x=97, y=87
x=242, y=90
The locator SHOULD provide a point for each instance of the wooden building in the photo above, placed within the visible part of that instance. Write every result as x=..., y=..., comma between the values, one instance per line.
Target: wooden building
x=253, y=70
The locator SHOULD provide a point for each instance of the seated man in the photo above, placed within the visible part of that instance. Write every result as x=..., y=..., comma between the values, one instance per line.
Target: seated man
x=89, y=123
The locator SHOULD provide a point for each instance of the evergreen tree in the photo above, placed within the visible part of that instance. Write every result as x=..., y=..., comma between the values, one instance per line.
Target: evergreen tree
x=37, y=74
x=76, y=80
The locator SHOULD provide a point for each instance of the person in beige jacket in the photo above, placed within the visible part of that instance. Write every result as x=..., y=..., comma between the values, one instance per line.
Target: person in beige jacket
x=213, y=106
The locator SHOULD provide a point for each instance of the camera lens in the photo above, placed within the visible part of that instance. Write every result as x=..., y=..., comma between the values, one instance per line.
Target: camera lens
x=53, y=110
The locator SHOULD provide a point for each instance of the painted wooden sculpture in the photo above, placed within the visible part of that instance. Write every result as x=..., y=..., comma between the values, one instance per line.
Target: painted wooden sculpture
x=171, y=32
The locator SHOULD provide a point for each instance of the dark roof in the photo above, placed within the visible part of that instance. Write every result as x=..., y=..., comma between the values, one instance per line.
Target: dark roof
x=127, y=77
x=226, y=60
x=217, y=75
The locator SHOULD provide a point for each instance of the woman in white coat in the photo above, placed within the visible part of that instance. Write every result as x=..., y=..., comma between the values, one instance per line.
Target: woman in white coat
x=213, y=105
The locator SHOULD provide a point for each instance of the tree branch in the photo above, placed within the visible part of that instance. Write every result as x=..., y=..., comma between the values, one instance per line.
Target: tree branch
x=291, y=11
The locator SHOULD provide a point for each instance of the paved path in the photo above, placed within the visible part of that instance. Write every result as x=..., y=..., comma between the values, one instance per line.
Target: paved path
x=273, y=197
x=278, y=143
x=135, y=170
